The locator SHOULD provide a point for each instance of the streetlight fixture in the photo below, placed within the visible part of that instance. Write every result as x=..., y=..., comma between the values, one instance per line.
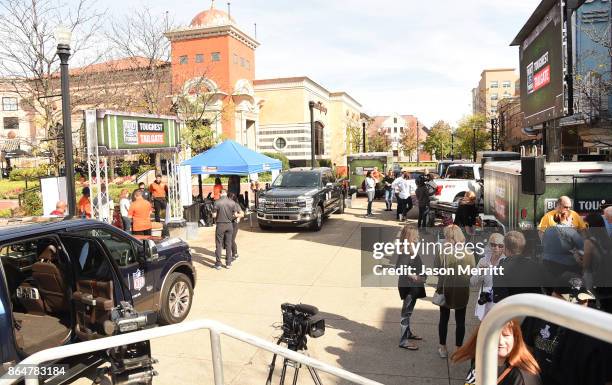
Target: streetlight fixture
x=417, y=142
x=452, y=143
x=63, y=37
x=474, y=140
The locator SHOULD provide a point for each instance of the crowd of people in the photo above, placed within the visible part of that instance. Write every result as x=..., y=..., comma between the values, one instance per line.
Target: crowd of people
x=575, y=265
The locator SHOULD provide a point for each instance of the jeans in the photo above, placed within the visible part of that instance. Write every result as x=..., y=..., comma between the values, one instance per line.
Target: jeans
x=234, y=245
x=423, y=216
x=127, y=224
x=370, y=200
x=159, y=204
x=407, y=308
x=223, y=238
x=389, y=198
x=459, y=321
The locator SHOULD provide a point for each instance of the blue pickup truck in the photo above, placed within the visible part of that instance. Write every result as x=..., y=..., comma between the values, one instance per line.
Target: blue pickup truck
x=63, y=282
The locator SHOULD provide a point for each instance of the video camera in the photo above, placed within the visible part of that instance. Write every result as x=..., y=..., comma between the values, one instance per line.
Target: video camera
x=125, y=319
x=300, y=321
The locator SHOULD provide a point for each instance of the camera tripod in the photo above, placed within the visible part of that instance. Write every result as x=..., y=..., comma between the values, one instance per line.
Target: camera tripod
x=295, y=346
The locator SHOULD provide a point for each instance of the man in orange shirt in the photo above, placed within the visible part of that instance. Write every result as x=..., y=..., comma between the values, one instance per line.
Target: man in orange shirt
x=159, y=193
x=140, y=214
x=84, y=205
x=217, y=189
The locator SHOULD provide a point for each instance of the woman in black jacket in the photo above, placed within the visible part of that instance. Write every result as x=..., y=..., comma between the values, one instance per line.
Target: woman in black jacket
x=467, y=212
x=411, y=287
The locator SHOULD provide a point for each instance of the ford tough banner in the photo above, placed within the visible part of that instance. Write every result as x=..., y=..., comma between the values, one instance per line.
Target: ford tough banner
x=541, y=62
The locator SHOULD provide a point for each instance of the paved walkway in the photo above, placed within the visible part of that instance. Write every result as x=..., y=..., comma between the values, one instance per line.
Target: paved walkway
x=322, y=269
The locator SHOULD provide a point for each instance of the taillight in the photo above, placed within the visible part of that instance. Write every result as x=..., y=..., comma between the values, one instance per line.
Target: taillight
x=586, y=170
x=523, y=213
x=438, y=190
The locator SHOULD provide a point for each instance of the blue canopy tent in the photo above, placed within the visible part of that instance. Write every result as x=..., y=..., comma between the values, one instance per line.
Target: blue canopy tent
x=230, y=158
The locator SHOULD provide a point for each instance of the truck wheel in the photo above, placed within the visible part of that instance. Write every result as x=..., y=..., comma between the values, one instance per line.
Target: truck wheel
x=458, y=197
x=317, y=223
x=263, y=226
x=341, y=206
x=177, y=296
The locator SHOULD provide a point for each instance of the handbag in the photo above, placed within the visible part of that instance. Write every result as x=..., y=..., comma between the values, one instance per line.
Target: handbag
x=439, y=299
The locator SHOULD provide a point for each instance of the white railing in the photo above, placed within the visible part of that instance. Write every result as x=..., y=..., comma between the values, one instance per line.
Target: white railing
x=216, y=330
x=594, y=323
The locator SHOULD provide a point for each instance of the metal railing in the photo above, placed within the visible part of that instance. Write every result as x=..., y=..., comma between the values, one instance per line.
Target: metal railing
x=216, y=330
x=594, y=323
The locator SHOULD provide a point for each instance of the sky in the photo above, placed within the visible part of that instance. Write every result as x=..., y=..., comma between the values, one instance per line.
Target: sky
x=406, y=56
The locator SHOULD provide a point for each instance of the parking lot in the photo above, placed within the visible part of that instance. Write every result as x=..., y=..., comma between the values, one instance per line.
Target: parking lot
x=317, y=268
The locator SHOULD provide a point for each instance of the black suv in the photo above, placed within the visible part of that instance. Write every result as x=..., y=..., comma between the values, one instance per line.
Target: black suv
x=72, y=280
x=300, y=196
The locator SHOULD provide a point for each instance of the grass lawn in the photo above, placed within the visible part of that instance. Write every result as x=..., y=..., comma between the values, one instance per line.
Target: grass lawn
x=11, y=189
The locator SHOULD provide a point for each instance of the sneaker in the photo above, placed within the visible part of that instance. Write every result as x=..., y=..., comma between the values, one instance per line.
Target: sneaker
x=217, y=267
x=235, y=258
x=228, y=266
x=443, y=352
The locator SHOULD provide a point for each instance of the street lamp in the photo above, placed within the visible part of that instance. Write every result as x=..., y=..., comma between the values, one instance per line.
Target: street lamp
x=417, y=142
x=63, y=37
x=452, y=144
x=474, y=141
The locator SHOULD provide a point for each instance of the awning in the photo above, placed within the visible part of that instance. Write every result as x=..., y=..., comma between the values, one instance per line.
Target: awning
x=230, y=158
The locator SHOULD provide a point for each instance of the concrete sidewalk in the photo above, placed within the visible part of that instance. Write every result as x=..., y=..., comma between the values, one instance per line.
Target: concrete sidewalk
x=318, y=268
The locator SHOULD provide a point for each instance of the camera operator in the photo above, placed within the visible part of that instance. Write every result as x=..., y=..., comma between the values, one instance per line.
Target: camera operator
x=521, y=273
x=493, y=257
x=564, y=355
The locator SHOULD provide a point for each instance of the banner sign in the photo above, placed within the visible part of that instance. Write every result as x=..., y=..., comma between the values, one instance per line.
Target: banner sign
x=120, y=133
x=542, y=69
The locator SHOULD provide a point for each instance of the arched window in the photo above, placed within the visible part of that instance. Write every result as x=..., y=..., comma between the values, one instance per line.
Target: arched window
x=319, y=139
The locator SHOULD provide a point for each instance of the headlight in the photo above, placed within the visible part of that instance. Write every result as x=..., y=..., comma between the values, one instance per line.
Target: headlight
x=305, y=201
x=262, y=200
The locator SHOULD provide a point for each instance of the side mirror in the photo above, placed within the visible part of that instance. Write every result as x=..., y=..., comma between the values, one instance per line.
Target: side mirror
x=150, y=250
x=329, y=184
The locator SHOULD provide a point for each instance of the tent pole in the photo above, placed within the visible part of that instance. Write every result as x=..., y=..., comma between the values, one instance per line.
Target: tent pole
x=200, y=186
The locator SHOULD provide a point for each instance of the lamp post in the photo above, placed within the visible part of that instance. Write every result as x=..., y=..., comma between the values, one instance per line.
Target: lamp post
x=417, y=142
x=63, y=37
x=474, y=141
x=452, y=144
x=363, y=135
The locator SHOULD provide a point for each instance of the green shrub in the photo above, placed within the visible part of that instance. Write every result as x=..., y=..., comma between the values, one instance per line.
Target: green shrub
x=324, y=163
x=6, y=213
x=32, y=203
x=29, y=174
x=282, y=157
x=125, y=169
x=144, y=168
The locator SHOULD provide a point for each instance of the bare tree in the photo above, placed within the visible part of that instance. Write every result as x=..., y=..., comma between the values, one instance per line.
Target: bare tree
x=28, y=60
x=138, y=39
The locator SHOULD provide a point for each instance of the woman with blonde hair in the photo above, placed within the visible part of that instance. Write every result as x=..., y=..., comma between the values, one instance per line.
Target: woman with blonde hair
x=467, y=212
x=516, y=365
x=411, y=286
x=493, y=257
x=453, y=288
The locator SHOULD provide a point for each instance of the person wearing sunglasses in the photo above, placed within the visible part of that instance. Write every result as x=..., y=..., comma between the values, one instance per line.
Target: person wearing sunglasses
x=563, y=214
x=493, y=256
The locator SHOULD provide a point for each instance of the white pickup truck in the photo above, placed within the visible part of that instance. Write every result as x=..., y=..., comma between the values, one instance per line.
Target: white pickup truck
x=459, y=179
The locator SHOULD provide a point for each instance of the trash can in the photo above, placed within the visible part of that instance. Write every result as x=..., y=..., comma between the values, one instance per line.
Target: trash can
x=192, y=230
x=191, y=213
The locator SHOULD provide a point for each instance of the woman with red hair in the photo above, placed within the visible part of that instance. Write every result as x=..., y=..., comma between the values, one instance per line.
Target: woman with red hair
x=516, y=365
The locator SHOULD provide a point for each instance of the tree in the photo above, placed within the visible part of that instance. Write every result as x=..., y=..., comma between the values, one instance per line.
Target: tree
x=408, y=141
x=29, y=64
x=464, y=135
x=354, y=136
x=139, y=38
x=438, y=140
x=377, y=143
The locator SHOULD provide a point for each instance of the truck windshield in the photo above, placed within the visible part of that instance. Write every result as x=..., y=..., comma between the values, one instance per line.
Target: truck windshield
x=297, y=179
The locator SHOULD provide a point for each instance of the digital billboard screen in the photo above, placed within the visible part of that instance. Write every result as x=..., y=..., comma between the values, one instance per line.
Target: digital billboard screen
x=542, y=69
